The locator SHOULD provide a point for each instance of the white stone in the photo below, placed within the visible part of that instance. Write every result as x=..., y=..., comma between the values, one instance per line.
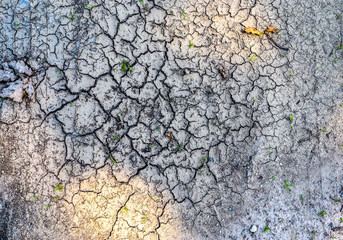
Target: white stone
x=253, y=228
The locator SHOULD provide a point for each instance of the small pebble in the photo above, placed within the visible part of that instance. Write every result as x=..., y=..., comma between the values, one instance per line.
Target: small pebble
x=253, y=228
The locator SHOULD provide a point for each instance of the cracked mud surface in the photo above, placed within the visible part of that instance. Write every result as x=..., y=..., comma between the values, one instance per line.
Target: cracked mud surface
x=163, y=120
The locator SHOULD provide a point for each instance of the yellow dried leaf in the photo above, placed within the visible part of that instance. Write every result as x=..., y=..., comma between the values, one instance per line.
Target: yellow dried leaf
x=253, y=31
x=169, y=134
x=270, y=28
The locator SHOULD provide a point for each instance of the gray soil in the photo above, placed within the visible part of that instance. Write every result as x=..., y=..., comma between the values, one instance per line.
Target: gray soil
x=164, y=120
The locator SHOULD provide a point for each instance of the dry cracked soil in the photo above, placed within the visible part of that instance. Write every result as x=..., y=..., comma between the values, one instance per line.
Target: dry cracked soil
x=156, y=119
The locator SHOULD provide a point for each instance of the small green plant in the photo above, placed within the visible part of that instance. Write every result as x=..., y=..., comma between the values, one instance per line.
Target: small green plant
x=183, y=14
x=16, y=24
x=252, y=58
x=337, y=200
x=239, y=203
x=203, y=160
x=301, y=198
x=272, y=178
x=145, y=6
x=71, y=104
x=292, y=75
x=72, y=17
x=35, y=197
x=191, y=44
x=125, y=209
x=255, y=100
x=2, y=99
x=340, y=46
x=125, y=66
x=323, y=130
x=171, y=11
x=336, y=60
x=338, y=16
x=114, y=161
x=47, y=205
x=115, y=137
x=152, y=145
x=341, y=220
x=287, y=185
x=291, y=119
x=314, y=233
x=145, y=218
x=177, y=147
x=59, y=187
x=57, y=197
x=266, y=229
x=158, y=128
x=322, y=213
x=91, y=7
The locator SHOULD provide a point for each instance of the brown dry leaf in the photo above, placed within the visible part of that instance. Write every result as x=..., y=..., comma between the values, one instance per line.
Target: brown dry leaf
x=222, y=72
x=169, y=134
x=253, y=31
x=270, y=28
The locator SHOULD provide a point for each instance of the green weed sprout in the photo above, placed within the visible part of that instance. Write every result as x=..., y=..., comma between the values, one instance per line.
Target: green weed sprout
x=292, y=75
x=91, y=7
x=301, y=197
x=48, y=205
x=203, y=160
x=125, y=66
x=145, y=218
x=177, y=147
x=266, y=229
x=337, y=200
x=252, y=58
x=291, y=119
x=35, y=197
x=191, y=44
x=341, y=220
x=59, y=187
x=125, y=209
x=57, y=197
x=272, y=178
x=72, y=17
x=183, y=14
x=115, y=137
x=114, y=161
x=322, y=214
x=287, y=185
